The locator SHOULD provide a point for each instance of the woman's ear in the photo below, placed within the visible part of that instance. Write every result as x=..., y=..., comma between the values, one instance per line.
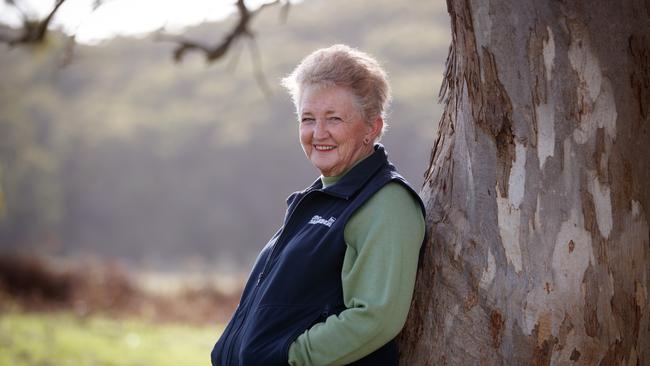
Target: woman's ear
x=375, y=128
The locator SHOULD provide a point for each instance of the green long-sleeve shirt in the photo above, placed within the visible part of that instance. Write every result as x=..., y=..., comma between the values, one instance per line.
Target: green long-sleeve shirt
x=383, y=241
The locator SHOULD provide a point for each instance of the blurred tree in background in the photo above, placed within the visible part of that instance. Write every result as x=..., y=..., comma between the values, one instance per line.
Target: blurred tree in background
x=124, y=154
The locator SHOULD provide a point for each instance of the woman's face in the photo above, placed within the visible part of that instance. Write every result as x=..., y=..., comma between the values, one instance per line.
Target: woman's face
x=332, y=130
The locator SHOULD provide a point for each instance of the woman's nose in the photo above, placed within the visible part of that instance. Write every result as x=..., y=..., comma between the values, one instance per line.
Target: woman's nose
x=320, y=129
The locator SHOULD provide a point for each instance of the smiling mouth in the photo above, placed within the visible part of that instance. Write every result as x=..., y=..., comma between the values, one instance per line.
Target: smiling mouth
x=324, y=147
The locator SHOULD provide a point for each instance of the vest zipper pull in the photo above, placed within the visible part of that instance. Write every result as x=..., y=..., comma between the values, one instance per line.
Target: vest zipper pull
x=259, y=278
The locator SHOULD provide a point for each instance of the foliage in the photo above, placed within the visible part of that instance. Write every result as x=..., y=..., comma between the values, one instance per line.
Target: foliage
x=107, y=288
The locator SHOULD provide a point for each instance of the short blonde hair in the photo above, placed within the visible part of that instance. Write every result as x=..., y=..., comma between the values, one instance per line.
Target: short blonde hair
x=347, y=67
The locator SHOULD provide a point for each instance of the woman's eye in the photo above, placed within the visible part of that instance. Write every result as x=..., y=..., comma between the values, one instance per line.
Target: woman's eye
x=335, y=119
x=306, y=120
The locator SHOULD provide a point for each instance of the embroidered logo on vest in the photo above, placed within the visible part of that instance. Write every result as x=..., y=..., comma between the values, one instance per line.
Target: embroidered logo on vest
x=319, y=220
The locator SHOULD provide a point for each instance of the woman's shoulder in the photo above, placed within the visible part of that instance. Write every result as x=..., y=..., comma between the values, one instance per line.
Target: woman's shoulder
x=392, y=196
x=392, y=209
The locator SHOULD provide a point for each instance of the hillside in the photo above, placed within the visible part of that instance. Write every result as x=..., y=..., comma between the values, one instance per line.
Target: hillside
x=127, y=155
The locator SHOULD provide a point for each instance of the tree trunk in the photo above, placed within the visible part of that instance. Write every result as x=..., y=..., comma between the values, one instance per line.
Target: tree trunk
x=538, y=189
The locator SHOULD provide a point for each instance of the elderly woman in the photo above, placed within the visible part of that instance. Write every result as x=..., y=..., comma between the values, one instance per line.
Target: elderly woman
x=333, y=286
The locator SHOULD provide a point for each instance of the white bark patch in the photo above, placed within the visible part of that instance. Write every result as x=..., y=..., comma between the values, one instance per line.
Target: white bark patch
x=483, y=24
x=571, y=255
x=603, y=114
x=601, y=194
x=594, y=92
x=539, y=301
x=517, y=179
x=471, y=187
x=545, y=115
x=490, y=271
x=509, y=218
x=549, y=53
x=636, y=208
x=509, y=215
x=585, y=63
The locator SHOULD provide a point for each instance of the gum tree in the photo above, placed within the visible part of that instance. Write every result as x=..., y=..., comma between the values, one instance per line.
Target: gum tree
x=538, y=189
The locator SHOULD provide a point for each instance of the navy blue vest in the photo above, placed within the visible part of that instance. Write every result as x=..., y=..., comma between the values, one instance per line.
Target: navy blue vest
x=296, y=280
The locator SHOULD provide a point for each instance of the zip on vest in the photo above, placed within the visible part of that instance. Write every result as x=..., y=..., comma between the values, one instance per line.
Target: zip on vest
x=260, y=277
x=233, y=336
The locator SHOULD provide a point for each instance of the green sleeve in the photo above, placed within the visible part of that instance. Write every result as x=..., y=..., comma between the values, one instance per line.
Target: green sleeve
x=383, y=242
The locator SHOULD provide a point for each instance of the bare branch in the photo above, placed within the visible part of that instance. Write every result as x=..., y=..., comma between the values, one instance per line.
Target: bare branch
x=32, y=31
x=236, y=52
x=265, y=5
x=241, y=29
x=35, y=31
x=258, y=70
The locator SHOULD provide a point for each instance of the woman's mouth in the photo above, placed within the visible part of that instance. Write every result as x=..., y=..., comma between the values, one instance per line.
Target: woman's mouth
x=324, y=147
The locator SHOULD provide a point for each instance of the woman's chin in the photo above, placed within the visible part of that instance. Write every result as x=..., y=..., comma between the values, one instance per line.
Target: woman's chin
x=323, y=165
x=326, y=170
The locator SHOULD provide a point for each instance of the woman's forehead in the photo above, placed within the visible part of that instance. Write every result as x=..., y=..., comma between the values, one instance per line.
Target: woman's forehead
x=325, y=99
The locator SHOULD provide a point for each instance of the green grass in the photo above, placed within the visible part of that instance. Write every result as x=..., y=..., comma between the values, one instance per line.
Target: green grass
x=65, y=340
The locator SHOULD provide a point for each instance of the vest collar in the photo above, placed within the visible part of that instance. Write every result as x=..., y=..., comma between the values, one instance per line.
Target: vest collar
x=356, y=177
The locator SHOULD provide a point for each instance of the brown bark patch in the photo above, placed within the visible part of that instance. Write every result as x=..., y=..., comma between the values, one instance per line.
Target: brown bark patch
x=470, y=301
x=589, y=212
x=575, y=355
x=590, y=285
x=505, y=142
x=637, y=317
x=495, y=117
x=600, y=153
x=572, y=246
x=497, y=321
x=545, y=340
x=614, y=356
x=591, y=225
x=639, y=49
x=639, y=300
x=565, y=328
x=538, y=37
x=542, y=355
x=543, y=328
x=548, y=288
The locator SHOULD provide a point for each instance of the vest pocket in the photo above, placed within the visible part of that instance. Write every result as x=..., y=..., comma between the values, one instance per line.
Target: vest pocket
x=272, y=329
x=319, y=317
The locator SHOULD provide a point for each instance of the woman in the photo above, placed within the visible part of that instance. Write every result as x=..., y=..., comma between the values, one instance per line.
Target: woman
x=333, y=286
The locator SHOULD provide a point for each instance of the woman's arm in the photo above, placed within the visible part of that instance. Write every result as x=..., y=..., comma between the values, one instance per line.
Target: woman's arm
x=383, y=238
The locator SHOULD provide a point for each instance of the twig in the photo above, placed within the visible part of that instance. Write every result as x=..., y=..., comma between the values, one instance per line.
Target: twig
x=241, y=29
x=33, y=31
x=257, y=67
x=214, y=53
x=234, y=60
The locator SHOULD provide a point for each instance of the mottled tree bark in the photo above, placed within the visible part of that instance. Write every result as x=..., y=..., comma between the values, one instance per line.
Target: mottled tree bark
x=538, y=189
